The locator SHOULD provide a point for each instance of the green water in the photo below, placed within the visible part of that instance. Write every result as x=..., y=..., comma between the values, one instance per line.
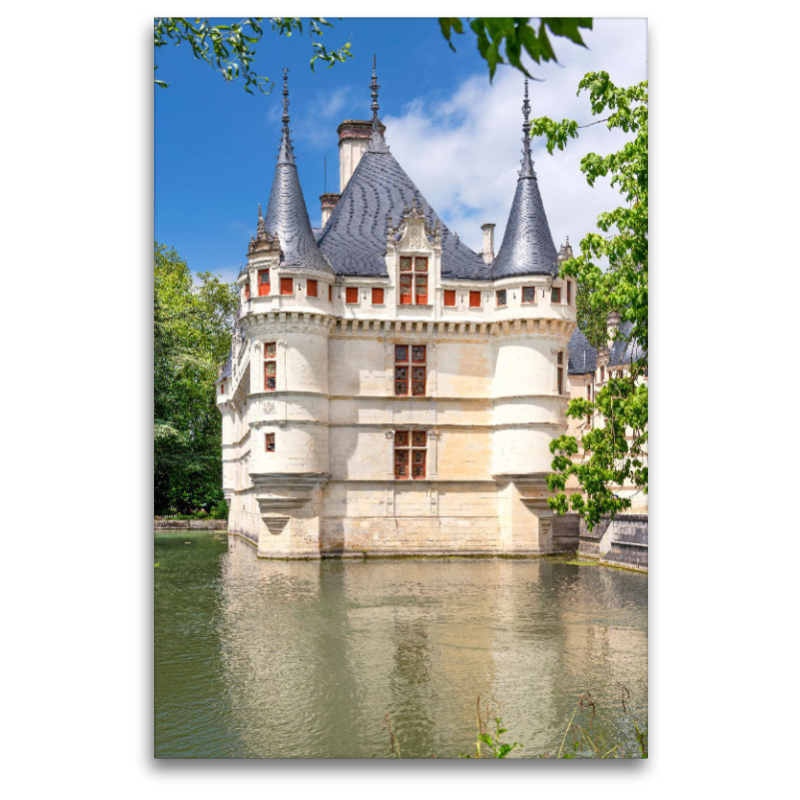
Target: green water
x=270, y=659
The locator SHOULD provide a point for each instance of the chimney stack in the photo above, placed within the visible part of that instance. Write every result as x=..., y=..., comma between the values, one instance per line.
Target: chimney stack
x=354, y=136
x=612, y=323
x=488, y=242
x=328, y=202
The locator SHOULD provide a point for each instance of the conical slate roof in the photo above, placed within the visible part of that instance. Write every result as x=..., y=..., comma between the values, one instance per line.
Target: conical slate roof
x=582, y=356
x=287, y=214
x=626, y=350
x=527, y=247
x=354, y=238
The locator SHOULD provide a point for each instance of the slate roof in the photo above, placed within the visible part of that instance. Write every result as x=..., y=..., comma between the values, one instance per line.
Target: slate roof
x=354, y=238
x=582, y=356
x=527, y=247
x=287, y=216
x=624, y=352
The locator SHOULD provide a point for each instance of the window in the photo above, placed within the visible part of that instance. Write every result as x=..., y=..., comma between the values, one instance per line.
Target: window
x=449, y=297
x=501, y=297
x=263, y=282
x=221, y=389
x=555, y=295
x=561, y=373
x=417, y=365
x=602, y=374
x=474, y=299
x=330, y=292
x=247, y=291
x=287, y=286
x=589, y=392
x=410, y=454
x=413, y=281
x=270, y=442
x=569, y=293
x=351, y=294
x=377, y=296
x=311, y=288
x=270, y=366
x=528, y=294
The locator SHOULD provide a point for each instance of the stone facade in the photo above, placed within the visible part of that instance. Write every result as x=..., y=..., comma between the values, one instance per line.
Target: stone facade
x=363, y=416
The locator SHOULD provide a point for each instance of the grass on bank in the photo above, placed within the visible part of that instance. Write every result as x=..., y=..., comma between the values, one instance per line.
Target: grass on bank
x=580, y=739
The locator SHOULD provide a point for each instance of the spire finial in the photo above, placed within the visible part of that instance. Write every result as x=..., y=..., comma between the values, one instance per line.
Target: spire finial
x=285, y=118
x=285, y=150
x=374, y=86
x=376, y=141
x=527, y=163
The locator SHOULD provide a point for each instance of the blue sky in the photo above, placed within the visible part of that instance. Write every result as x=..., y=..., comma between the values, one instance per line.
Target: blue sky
x=457, y=135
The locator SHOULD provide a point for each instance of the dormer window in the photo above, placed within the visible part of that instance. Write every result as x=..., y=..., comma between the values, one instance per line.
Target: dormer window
x=263, y=282
x=413, y=281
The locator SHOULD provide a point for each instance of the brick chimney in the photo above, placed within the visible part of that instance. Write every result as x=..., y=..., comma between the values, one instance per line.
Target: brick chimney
x=328, y=202
x=354, y=135
x=488, y=242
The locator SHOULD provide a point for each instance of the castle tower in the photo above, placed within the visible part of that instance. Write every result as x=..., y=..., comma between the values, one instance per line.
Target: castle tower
x=530, y=364
x=287, y=296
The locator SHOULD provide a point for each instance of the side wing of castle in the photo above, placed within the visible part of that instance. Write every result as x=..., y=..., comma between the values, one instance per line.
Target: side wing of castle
x=390, y=390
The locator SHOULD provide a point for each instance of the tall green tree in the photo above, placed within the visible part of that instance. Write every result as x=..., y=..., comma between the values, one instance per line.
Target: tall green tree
x=614, y=451
x=191, y=337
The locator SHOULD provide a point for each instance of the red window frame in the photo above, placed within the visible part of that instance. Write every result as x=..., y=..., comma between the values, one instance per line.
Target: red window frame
x=377, y=296
x=449, y=297
x=475, y=299
x=269, y=442
x=410, y=455
x=569, y=293
x=501, y=297
x=351, y=295
x=311, y=288
x=287, y=285
x=561, y=373
x=531, y=290
x=263, y=282
x=410, y=369
x=413, y=280
x=270, y=366
x=555, y=294
x=247, y=291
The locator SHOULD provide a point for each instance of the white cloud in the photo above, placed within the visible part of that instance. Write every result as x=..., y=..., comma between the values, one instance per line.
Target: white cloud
x=464, y=152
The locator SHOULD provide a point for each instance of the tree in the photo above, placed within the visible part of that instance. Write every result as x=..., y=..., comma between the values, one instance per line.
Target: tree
x=192, y=336
x=614, y=451
x=231, y=48
x=516, y=33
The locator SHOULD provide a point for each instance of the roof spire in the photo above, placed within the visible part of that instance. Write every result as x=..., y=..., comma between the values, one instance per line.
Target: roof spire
x=527, y=163
x=286, y=151
x=260, y=228
x=377, y=143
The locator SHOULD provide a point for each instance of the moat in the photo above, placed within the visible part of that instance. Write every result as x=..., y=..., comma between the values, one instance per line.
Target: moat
x=275, y=659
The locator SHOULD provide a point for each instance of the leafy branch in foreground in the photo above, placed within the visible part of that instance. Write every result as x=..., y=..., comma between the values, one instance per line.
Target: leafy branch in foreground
x=614, y=451
x=231, y=49
x=517, y=34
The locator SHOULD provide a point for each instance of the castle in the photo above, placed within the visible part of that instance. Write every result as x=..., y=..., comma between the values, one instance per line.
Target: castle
x=389, y=390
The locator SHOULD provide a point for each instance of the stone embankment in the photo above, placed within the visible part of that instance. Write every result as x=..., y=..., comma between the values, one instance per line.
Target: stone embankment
x=621, y=542
x=190, y=524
